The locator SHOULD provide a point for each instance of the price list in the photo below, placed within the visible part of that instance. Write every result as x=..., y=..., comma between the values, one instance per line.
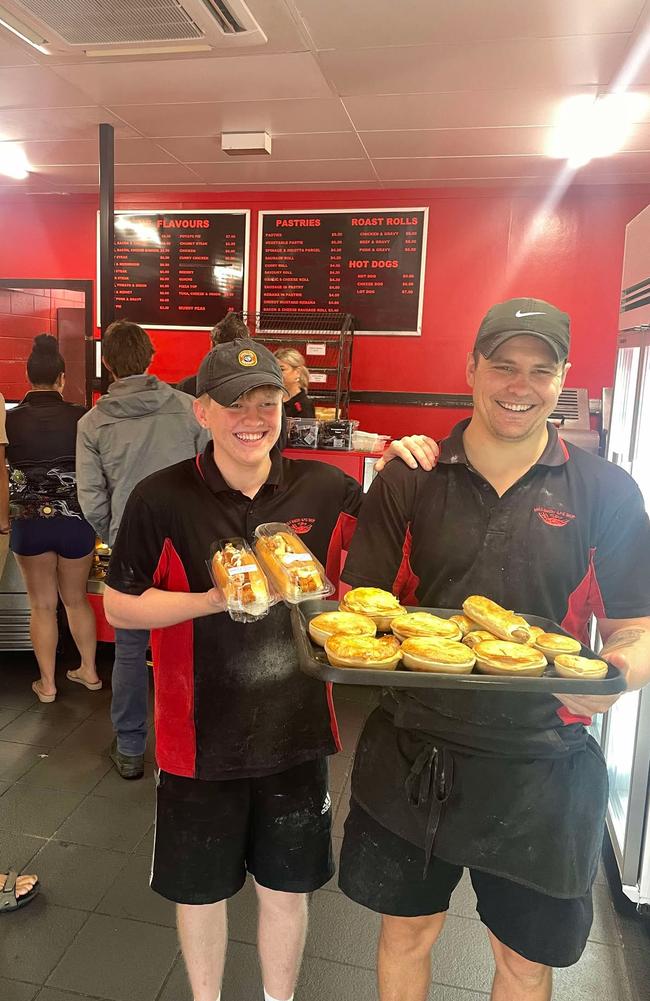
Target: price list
x=179, y=269
x=367, y=262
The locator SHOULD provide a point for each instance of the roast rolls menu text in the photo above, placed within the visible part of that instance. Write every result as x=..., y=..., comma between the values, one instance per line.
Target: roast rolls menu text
x=180, y=269
x=367, y=262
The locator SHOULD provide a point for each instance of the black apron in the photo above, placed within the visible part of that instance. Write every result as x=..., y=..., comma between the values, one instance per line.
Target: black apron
x=533, y=815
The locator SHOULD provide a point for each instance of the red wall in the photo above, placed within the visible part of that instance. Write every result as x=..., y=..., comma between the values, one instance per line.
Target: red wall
x=24, y=313
x=483, y=246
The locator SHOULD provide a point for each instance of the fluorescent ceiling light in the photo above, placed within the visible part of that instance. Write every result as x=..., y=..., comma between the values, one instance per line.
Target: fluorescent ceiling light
x=590, y=127
x=22, y=31
x=13, y=162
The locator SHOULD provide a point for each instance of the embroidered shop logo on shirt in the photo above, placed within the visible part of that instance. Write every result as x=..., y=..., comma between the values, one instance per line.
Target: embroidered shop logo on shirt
x=552, y=517
x=301, y=525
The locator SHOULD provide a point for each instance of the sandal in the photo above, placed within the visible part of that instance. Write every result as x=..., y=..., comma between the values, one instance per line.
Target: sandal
x=9, y=901
x=40, y=694
x=92, y=686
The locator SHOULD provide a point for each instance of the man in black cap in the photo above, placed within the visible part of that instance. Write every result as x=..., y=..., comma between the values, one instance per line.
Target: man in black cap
x=242, y=736
x=509, y=785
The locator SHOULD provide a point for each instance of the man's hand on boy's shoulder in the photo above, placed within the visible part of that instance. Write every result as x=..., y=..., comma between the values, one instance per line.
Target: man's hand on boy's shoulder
x=415, y=450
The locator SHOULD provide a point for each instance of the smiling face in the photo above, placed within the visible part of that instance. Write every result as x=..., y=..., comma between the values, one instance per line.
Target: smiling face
x=516, y=389
x=245, y=432
x=290, y=377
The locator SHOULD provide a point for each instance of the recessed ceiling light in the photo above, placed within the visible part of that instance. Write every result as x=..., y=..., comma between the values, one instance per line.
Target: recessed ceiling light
x=589, y=127
x=22, y=31
x=13, y=162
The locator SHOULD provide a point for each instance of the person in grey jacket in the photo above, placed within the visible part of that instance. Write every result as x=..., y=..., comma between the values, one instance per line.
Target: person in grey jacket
x=140, y=426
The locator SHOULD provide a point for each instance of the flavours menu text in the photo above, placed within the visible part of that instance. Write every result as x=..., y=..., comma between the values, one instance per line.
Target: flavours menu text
x=179, y=269
x=367, y=262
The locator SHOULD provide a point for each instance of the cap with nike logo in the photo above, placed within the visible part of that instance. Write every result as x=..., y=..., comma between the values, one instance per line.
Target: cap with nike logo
x=524, y=316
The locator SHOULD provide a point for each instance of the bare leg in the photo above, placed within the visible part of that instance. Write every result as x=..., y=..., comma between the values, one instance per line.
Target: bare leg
x=516, y=978
x=281, y=931
x=404, y=958
x=40, y=578
x=203, y=931
x=72, y=578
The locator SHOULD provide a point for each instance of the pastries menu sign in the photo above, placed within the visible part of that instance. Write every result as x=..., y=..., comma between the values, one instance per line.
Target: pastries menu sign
x=180, y=269
x=368, y=262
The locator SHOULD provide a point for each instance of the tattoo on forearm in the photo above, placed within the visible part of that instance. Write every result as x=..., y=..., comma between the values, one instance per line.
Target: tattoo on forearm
x=623, y=638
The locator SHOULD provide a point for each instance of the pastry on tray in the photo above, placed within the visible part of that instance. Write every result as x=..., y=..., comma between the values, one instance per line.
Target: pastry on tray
x=552, y=644
x=381, y=606
x=373, y=653
x=503, y=657
x=424, y=624
x=497, y=620
x=569, y=665
x=327, y=624
x=438, y=655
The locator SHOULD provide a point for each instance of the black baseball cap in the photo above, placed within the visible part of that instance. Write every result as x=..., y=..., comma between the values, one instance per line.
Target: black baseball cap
x=524, y=316
x=236, y=367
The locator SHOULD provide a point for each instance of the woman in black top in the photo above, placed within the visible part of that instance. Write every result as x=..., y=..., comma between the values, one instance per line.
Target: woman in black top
x=52, y=542
x=295, y=376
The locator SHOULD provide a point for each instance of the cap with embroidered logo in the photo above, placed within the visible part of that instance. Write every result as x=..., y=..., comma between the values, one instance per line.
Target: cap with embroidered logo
x=534, y=317
x=236, y=367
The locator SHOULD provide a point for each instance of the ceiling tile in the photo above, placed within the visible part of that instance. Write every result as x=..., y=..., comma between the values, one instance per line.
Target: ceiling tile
x=58, y=123
x=431, y=168
x=64, y=153
x=154, y=173
x=13, y=52
x=211, y=118
x=295, y=170
x=339, y=24
x=36, y=87
x=235, y=78
x=305, y=146
x=460, y=109
x=540, y=63
x=456, y=142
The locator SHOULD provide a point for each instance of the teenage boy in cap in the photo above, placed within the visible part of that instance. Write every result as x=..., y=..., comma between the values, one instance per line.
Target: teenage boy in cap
x=510, y=786
x=242, y=736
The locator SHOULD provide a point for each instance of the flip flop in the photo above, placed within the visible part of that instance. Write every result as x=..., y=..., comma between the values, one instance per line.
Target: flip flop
x=92, y=686
x=36, y=688
x=8, y=900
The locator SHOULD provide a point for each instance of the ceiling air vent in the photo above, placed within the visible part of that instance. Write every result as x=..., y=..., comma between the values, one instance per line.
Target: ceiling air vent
x=137, y=27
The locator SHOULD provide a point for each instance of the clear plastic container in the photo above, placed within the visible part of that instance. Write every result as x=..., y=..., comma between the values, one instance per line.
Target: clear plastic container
x=366, y=441
x=235, y=570
x=336, y=434
x=302, y=432
x=293, y=570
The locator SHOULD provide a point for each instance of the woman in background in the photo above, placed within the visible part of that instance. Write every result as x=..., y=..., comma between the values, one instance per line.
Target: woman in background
x=52, y=542
x=295, y=375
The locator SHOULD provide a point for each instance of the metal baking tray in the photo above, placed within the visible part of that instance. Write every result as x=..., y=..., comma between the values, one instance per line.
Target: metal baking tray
x=313, y=661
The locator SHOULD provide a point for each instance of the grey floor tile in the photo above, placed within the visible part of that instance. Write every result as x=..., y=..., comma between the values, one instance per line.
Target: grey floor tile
x=177, y=987
x=7, y=715
x=342, y=931
x=36, y=938
x=16, y=759
x=637, y=967
x=462, y=956
x=605, y=927
x=333, y=884
x=36, y=811
x=51, y=994
x=43, y=729
x=635, y=932
x=128, y=959
x=4, y=786
x=150, y=749
x=21, y=696
x=600, y=975
x=94, y=735
x=68, y=770
x=439, y=992
x=463, y=899
x=145, y=847
x=17, y=849
x=76, y=875
x=100, y=822
x=72, y=702
x=124, y=791
x=339, y=769
x=11, y=990
x=130, y=896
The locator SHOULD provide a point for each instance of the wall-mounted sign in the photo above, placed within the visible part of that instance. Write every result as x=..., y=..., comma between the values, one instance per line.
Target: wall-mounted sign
x=368, y=262
x=180, y=269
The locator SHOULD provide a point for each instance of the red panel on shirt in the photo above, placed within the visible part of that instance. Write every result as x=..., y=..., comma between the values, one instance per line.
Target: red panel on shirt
x=406, y=582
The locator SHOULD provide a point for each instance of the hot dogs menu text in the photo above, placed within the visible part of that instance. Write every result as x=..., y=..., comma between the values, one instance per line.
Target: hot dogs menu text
x=179, y=269
x=365, y=262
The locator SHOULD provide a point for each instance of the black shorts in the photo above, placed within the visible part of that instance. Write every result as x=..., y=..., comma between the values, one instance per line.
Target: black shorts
x=71, y=538
x=210, y=834
x=385, y=873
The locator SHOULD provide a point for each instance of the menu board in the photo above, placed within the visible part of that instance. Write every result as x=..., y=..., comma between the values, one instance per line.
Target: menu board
x=180, y=269
x=368, y=262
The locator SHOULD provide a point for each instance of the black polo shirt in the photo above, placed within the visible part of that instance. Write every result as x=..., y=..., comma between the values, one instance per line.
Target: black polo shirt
x=299, y=405
x=231, y=701
x=569, y=539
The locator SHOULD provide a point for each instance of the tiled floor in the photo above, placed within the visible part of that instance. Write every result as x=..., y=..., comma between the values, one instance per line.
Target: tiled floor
x=98, y=931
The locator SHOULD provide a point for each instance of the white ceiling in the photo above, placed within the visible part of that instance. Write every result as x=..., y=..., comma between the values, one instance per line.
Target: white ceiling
x=364, y=94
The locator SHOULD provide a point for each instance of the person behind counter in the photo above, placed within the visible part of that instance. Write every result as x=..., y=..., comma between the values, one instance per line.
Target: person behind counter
x=51, y=540
x=510, y=786
x=295, y=376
